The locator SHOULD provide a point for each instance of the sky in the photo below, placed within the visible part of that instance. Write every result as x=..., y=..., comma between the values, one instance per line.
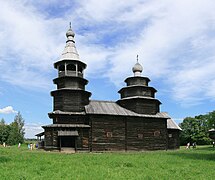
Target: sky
x=175, y=41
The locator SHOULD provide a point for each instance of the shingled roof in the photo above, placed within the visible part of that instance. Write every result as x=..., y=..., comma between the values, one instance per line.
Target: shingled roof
x=172, y=125
x=112, y=108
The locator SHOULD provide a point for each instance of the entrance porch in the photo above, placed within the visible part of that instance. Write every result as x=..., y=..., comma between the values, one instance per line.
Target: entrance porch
x=67, y=140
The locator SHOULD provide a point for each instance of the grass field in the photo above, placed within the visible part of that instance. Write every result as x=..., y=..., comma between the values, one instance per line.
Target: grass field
x=181, y=164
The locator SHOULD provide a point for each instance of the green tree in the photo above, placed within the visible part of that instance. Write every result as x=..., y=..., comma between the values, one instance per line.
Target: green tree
x=187, y=130
x=16, y=130
x=20, y=123
x=211, y=120
x=14, y=136
x=195, y=130
x=2, y=122
x=4, y=131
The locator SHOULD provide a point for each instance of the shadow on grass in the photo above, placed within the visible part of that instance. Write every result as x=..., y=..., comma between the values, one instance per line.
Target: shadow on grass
x=4, y=159
x=203, y=153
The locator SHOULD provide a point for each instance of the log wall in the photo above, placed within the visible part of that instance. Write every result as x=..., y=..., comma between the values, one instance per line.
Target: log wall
x=107, y=133
x=173, y=139
x=141, y=106
x=112, y=133
x=146, y=134
x=70, y=100
x=118, y=133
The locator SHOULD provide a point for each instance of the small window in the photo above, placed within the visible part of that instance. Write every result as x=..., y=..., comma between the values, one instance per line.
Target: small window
x=71, y=67
x=109, y=134
x=157, y=133
x=170, y=135
x=140, y=136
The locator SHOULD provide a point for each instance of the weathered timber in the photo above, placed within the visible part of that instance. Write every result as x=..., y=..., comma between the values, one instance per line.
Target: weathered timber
x=133, y=123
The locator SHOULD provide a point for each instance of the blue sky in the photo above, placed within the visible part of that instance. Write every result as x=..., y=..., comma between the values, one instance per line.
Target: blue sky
x=175, y=41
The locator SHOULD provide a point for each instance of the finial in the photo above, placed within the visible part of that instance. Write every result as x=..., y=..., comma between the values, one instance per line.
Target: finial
x=137, y=69
x=70, y=32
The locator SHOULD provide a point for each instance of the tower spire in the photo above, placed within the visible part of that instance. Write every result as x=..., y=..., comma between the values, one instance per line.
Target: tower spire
x=70, y=51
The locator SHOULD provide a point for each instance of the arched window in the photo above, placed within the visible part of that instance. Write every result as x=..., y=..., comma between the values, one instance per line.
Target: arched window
x=80, y=69
x=61, y=68
x=70, y=67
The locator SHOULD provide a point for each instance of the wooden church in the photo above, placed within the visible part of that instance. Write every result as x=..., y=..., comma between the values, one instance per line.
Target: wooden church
x=133, y=123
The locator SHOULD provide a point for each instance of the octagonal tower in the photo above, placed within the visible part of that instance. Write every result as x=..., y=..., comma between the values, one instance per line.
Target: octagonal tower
x=70, y=95
x=137, y=96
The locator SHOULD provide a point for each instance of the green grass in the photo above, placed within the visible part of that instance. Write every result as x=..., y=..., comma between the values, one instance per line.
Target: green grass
x=181, y=164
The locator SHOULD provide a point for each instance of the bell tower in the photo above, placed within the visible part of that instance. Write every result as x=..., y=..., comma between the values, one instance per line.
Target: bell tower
x=137, y=96
x=70, y=95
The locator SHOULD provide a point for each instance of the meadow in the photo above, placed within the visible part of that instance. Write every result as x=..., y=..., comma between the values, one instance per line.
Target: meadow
x=22, y=163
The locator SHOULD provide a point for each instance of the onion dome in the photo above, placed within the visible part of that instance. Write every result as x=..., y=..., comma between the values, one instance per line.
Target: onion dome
x=70, y=33
x=137, y=69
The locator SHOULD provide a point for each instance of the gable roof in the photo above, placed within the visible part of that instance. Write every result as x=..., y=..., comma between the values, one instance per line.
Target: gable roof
x=112, y=108
x=172, y=125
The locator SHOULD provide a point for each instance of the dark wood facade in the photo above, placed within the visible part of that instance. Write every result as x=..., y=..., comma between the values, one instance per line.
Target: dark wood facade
x=127, y=134
x=173, y=138
x=110, y=133
x=133, y=123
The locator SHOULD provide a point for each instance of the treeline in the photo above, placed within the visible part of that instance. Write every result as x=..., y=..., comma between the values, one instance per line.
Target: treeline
x=195, y=129
x=12, y=133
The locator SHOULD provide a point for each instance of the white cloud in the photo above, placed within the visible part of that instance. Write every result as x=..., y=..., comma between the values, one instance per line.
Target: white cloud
x=7, y=110
x=28, y=46
x=174, y=40
x=176, y=44
x=33, y=128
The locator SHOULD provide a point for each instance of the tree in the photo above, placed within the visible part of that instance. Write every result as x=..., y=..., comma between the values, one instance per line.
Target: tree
x=16, y=130
x=4, y=131
x=20, y=123
x=2, y=122
x=14, y=136
x=211, y=120
x=195, y=130
x=187, y=130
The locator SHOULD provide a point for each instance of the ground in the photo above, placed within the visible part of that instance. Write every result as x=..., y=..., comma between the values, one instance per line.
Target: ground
x=37, y=164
